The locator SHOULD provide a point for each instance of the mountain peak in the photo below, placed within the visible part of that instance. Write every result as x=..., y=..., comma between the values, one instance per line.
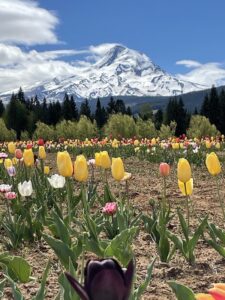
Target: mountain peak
x=120, y=72
x=110, y=56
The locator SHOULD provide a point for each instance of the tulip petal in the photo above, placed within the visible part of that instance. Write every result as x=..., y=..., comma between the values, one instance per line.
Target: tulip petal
x=105, y=280
x=77, y=287
x=204, y=297
x=217, y=293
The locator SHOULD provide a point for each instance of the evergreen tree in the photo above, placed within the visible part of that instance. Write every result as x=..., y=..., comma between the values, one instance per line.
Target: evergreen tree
x=158, y=119
x=128, y=111
x=85, y=109
x=205, y=109
x=100, y=114
x=146, y=112
x=2, y=108
x=222, y=112
x=66, y=108
x=44, y=112
x=20, y=96
x=195, y=111
x=73, y=105
x=175, y=111
x=120, y=107
x=214, y=108
x=16, y=116
x=111, y=106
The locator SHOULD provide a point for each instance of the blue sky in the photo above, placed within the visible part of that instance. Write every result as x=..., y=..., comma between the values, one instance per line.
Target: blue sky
x=43, y=39
x=166, y=30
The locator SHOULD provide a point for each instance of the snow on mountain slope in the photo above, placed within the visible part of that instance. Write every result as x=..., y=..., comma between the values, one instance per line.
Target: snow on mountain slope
x=121, y=72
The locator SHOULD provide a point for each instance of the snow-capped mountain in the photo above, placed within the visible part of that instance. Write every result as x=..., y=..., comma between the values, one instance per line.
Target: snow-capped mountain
x=120, y=72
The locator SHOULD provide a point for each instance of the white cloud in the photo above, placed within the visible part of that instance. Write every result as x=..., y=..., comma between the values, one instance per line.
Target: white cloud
x=189, y=63
x=206, y=74
x=24, y=22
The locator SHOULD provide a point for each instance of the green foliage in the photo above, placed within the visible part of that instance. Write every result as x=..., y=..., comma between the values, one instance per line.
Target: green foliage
x=200, y=126
x=6, y=134
x=182, y=292
x=44, y=131
x=66, y=129
x=167, y=131
x=145, y=129
x=120, y=125
x=86, y=128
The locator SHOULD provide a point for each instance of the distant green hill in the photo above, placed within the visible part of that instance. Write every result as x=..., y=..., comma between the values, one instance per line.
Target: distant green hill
x=191, y=100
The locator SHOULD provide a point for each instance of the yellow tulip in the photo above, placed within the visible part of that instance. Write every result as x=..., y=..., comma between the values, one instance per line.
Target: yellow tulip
x=105, y=160
x=41, y=152
x=208, y=144
x=213, y=164
x=81, y=169
x=7, y=163
x=98, y=159
x=189, y=187
x=64, y=164
x=14, y=161
x=153, y=142
x=217, y=145
x=203, y=297
x=11, y=147
x=28, y=157
x=136, y=143
x=117, y=169
x=183, y=170
x=46, y=170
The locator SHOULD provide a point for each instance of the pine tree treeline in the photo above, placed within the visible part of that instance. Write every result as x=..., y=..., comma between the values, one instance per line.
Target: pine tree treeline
x=22, y=114
x=213, y=108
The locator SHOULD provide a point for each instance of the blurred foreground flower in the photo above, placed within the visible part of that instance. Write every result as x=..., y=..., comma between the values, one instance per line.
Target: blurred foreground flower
x=104, y=280
x=10, y=195
x=4, y=188
x=216, y=293
x=57, y=181
x=25, y=188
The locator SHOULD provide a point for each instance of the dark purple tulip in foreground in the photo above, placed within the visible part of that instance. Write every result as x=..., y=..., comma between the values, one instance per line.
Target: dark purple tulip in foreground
x=104, y=279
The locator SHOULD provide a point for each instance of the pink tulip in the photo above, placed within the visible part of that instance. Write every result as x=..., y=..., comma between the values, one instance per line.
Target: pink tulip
x=110, y=208
x=10, y=195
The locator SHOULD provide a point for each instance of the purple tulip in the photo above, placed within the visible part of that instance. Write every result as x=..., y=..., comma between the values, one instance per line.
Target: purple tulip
x=11, y=171
x=104, y=279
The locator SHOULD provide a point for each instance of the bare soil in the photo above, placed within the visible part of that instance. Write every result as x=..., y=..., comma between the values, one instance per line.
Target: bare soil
x=145, y=185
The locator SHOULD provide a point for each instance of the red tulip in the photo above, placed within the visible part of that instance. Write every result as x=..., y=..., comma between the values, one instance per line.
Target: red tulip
x=18, y=153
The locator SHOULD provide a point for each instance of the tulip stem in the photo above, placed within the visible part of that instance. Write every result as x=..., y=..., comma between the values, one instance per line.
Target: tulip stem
x=187, y=205
x=164, y=194
x=69, y=196
x=220, y=200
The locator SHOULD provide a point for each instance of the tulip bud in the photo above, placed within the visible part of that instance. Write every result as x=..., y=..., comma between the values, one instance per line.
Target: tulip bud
x=117, y=169
x=40, y=142
x=105, y=160
x=64, y=164
x=164, y=169
x=98, y=159
x=183, y=170
x=25, y=188
x=41, y=152
x=103, y=278
x=81, y=169
x=7, y=163
x=28, y=157
x=18, y=153
x=46, y=170
x=213, y=164
x=11, y=147
x=57, y=181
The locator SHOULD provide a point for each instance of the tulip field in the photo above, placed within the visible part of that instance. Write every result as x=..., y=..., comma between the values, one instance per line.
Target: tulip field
x=113, y=219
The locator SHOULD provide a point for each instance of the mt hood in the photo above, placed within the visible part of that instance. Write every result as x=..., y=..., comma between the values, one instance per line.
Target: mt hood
x=120, y=72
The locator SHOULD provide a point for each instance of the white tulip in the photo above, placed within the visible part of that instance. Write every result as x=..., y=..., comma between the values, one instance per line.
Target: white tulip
x=57, y=181
x=25, y=188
